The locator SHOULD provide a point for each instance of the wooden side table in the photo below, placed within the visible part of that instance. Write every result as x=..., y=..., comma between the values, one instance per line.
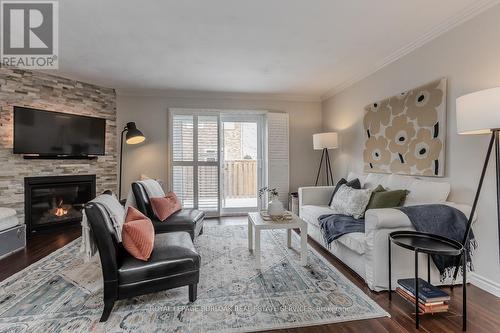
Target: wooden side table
x=256, y=224
x=420, y=242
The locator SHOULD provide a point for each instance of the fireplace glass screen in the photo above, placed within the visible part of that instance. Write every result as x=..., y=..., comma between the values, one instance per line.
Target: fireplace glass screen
x=56, y=203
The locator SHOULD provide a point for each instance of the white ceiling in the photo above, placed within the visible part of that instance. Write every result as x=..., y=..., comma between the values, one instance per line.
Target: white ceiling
x=292, y=47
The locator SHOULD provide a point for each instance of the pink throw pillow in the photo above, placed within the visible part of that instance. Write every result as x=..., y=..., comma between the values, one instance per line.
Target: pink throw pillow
x=164, y=207
x=134, y=214
x=138, y=234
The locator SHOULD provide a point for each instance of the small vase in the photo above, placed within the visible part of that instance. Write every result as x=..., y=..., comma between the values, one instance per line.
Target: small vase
x=275, y=208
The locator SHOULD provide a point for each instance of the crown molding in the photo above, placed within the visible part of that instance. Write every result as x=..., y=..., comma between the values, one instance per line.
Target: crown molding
x=195, y=94
x=466, y=14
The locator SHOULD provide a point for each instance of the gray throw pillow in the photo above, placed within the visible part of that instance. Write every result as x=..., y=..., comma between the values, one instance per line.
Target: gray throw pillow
x=350, y=201
x=354, y=183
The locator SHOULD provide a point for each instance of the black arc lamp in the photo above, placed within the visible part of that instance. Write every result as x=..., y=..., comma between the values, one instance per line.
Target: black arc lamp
x=132, y=137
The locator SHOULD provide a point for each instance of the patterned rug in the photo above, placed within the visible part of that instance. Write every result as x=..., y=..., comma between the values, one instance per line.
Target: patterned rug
x=232, y=295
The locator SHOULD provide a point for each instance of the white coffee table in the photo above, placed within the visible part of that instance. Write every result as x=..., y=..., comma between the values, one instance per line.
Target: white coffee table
x=256, y=224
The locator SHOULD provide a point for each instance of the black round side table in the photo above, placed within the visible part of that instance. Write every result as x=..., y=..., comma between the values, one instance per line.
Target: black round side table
x=421, y=242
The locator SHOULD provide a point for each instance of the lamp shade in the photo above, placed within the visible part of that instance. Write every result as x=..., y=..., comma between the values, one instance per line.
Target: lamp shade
x=325, y=140
x=133, y=136
x=479, y=112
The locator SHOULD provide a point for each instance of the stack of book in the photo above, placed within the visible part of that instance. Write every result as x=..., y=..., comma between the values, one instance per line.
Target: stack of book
x=430, y=298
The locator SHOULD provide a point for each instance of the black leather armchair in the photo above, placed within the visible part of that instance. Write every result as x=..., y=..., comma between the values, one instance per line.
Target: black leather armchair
x=174, y=263
x=190, y=220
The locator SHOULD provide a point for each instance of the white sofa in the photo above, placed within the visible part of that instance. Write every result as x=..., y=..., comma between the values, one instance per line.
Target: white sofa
x=367, y=253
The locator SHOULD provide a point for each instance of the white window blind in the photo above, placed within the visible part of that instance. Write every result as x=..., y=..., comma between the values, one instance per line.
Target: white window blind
x=278, y=170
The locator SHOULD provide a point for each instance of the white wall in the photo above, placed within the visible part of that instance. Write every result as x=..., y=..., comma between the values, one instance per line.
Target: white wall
x=151, y=113
x=469, y=56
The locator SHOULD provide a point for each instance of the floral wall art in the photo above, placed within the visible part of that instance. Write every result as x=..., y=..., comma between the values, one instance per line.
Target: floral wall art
x=405, y=134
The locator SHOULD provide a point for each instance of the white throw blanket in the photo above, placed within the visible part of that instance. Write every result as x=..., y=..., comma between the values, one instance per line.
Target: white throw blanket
x=115, y=211
x=153, y=189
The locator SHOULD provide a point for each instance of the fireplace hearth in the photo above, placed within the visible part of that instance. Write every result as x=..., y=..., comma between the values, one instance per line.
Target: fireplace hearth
x=56, y=201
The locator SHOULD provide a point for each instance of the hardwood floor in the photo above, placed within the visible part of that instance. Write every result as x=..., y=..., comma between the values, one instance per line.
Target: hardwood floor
x=37, y=247
x=483, y=308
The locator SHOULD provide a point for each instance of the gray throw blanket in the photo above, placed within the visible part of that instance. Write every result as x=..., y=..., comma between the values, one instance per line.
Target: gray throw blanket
x=446, y=221
x=436, y=219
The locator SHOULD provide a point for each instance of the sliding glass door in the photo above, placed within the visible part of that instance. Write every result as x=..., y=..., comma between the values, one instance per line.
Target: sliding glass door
x=216, y=160
x=241, y=162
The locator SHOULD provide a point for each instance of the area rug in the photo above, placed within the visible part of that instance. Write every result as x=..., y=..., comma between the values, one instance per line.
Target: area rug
x=232, y=295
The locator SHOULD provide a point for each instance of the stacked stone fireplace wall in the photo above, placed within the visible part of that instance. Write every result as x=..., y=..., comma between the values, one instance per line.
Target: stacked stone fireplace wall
x=52, y=93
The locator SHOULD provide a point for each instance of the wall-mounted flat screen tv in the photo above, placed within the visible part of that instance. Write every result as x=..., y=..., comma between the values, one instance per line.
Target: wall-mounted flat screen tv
x=55, y=134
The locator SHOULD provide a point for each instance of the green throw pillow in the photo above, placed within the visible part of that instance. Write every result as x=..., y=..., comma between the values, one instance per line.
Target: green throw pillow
x=381, y=198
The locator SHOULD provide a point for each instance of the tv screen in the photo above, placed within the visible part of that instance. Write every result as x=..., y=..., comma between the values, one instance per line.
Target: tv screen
x=49, y=133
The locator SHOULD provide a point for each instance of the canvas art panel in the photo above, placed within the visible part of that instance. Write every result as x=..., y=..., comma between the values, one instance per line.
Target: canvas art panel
x=405, y=134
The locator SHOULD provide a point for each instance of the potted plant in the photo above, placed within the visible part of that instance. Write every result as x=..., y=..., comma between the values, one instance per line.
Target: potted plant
x=274, y=207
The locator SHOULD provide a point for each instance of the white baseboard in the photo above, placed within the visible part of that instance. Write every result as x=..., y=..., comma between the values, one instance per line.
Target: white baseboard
x=485, y=284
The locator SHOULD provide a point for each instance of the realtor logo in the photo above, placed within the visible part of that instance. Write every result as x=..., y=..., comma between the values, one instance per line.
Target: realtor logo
x=29, y=33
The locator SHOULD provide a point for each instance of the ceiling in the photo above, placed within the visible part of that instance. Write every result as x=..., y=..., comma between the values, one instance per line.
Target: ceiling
x=292, y=47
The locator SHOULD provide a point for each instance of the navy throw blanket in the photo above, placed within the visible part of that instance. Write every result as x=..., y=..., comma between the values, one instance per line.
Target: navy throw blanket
x=335, y=225
x=436, y=219
x=446, y=221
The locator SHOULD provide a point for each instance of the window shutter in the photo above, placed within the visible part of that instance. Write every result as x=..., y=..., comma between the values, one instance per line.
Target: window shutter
x=208, y=163
x=182, y=145
x=182, y=154
x=278, y=171
x=195, y=160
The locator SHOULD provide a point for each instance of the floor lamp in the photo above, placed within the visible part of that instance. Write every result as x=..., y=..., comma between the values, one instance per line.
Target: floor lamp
x=325, y=141
x=479, y=113
x=132, y=137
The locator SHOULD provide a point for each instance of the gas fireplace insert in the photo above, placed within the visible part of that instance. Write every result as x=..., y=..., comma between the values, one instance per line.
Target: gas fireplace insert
x=56, y=201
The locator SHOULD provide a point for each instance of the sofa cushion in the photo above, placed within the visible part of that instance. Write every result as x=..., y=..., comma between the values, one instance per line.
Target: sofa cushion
x=373, y=180
x=355, y=241
x=351, y=202
x=173, y=254
x=398, y=182
x=424, y=192
x=310, y=213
